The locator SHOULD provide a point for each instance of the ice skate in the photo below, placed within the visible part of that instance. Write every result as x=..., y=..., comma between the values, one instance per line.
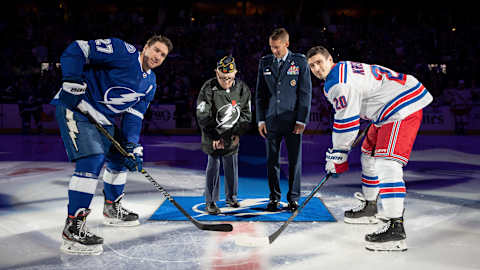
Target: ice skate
x=365, y=213
x=77, y=240
x=116, y=215
x=391, y=237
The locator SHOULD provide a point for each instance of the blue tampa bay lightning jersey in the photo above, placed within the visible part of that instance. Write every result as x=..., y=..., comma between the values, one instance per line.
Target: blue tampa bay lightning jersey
x=116, y=82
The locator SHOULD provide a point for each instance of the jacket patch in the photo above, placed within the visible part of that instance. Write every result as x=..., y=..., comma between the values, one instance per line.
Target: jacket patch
x=201, y=106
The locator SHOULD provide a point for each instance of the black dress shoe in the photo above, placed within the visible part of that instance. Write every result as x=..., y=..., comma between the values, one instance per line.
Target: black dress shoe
x=292, y=206
x=273, y=206
x=233, y=203
x=213, y=209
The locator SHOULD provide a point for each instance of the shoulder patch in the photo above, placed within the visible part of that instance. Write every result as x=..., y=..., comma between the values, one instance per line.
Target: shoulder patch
x=267, y=57
x=299, y=55
x=201, y=106
x=130, y=47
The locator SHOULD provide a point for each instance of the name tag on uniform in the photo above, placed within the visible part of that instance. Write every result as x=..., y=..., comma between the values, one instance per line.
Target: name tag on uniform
x=267, y=72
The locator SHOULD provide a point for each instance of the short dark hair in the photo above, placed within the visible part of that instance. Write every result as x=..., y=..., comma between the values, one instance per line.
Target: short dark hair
x=162, y=39
x=318, y=50
x=279, y=33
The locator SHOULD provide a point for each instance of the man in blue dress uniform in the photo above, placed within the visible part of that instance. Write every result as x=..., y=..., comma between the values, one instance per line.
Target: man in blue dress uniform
x=283, y=98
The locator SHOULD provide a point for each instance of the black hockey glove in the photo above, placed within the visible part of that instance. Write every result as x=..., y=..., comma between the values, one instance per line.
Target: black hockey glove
x=134, y=161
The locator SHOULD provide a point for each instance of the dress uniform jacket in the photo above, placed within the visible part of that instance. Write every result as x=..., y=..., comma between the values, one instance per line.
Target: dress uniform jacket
x=283, y=95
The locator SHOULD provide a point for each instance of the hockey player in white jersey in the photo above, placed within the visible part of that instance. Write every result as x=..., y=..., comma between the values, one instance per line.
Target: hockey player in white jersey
x=393, y=102
x=106, y=78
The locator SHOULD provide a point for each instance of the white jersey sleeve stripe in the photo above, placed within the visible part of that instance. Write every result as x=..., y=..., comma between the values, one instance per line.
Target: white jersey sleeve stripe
x=84, y=47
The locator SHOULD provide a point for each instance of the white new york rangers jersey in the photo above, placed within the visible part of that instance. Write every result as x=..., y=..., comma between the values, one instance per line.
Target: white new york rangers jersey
x=371, y=92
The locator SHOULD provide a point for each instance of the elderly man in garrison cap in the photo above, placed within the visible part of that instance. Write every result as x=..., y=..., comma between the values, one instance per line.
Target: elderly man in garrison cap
x=224, y=114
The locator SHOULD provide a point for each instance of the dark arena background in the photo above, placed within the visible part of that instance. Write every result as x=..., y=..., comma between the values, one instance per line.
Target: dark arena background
x=437, y=43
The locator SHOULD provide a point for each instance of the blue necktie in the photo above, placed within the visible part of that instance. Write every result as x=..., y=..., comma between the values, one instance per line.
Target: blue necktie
x=280, y=62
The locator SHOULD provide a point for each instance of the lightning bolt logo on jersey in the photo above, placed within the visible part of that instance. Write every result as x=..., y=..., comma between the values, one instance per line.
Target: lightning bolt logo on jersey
x=227, y=116
x=118, y=99
x=116, y=82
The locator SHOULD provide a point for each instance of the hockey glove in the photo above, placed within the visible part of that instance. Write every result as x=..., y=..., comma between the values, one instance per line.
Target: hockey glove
x=336, y=161
x=72, y=93
x=134, y=160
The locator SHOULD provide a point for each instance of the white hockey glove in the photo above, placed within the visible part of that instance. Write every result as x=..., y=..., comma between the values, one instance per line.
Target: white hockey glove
x=72, y=93
x=336, y=161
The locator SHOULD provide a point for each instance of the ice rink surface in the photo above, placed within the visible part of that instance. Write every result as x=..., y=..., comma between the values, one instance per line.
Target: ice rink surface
x=442, y=217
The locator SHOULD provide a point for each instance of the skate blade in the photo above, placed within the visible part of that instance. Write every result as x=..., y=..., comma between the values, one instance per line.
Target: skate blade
x=387, y=246
x=119, y=223
x=362, y=220
x=74, y=248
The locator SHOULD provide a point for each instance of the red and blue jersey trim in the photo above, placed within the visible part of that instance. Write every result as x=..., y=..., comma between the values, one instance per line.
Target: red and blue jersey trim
x=401, y=101
x=347, y=124
x=338, y=74
x=392, y=190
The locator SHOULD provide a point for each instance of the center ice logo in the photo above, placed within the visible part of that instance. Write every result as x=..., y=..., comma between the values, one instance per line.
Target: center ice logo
x=118, y=98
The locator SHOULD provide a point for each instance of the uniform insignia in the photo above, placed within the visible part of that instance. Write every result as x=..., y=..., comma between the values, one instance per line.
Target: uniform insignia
x=144, y=75
x=293, y=70
x=293, y=82
x=267, y=72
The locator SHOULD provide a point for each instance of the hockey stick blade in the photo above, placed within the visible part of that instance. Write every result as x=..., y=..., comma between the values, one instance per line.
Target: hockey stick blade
x=275, y=235
x=201, y=226
x=224, y=227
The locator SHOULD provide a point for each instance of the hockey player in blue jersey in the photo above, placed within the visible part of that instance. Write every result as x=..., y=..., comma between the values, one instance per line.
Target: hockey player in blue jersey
x=106, y=78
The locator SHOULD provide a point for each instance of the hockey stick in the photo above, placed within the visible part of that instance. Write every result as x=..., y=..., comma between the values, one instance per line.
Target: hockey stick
x=274, y=235
x=255, y=242
x=202, y=226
